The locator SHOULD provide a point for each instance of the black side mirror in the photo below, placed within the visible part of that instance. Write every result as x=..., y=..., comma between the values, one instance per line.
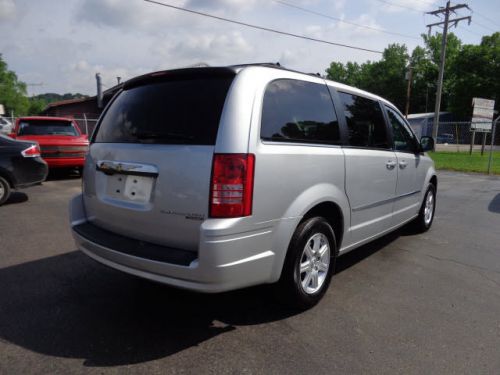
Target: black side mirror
x=426, y=143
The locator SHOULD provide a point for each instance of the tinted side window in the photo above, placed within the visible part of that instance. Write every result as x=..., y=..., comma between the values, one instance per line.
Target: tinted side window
x=297, y=111
x=403, y=138
x=365, y=122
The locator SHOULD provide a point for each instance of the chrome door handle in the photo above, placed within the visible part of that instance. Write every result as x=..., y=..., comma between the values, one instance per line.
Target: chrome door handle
x=390, y=164
x=110, y=167
x=402, y=164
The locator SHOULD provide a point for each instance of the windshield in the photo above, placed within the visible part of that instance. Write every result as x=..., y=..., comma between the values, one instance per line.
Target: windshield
x=185, y=111
x=46, y=127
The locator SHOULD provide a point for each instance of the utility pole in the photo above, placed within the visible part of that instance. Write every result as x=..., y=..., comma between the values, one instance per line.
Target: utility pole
x=409, y=76
x=445, y=24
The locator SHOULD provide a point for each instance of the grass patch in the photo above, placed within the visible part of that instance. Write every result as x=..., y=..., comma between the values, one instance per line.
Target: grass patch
x=463, y=162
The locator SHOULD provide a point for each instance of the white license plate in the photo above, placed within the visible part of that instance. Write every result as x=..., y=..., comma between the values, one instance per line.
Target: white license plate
x=130, y=188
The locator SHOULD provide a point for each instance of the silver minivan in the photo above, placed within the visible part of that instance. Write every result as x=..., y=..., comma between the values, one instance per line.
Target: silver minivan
x=213, y=179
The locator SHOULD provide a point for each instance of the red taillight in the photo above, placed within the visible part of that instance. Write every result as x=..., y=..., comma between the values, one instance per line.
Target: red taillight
x=31, y=152
x=231, y=188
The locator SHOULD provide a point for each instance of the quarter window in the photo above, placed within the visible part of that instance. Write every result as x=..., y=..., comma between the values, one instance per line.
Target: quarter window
x=402, y=135
x=298, y=111
x=365, y=122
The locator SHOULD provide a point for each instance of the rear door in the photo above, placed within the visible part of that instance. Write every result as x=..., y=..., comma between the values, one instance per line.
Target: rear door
x=147, y=175
x=370, y=166
x=407, y=200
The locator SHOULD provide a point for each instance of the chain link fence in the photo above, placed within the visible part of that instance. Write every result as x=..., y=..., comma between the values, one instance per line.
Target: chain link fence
x=458, y=148
x=457, y=136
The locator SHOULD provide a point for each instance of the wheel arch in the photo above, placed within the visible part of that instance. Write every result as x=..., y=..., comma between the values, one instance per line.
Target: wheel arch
x=324, y=200
x=8, y=176
x=433, y=180
x=332, y=212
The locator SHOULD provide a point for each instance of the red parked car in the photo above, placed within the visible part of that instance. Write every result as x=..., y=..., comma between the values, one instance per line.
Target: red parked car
x=62, y=143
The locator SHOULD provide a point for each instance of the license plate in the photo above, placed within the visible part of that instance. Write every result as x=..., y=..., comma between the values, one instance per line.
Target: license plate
x=130, y=188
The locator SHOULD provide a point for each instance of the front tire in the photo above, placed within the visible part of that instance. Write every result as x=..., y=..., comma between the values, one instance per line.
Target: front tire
x=425, y=217
x=4, y=190
x=309, y=264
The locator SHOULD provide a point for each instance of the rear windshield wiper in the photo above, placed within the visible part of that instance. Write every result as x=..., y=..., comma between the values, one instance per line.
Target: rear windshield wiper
x=171, y=136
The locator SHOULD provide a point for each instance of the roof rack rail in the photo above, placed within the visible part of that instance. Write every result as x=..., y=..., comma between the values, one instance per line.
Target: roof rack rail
x=276, y=64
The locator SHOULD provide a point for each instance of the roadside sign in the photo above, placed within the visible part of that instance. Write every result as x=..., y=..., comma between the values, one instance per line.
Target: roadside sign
x=2, y=110
x=482, y=115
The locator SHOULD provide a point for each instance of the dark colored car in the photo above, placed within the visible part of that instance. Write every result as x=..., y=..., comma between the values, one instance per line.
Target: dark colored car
x=445, y=138
x=21, y=166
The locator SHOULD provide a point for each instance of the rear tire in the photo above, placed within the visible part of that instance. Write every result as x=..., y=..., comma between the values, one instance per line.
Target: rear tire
x=4, y=190
x=423, y=221
x=309, y=264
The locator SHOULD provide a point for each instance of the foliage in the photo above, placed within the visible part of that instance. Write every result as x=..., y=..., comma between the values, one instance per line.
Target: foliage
x=12, y=91
x=476, y=71
x=470, y=70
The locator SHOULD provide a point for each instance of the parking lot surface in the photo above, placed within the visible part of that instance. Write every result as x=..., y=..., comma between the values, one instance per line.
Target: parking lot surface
x=406, y=303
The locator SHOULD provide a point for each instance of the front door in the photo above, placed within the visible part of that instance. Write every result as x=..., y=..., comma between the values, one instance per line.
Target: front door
x=407, y=199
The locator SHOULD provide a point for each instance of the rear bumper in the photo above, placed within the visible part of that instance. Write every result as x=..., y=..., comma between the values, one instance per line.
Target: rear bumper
x=65, y=162
x=32, y=172
x=223, y=261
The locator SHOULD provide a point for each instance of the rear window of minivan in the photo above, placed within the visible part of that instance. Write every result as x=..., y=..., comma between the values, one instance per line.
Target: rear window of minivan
x=185, y=111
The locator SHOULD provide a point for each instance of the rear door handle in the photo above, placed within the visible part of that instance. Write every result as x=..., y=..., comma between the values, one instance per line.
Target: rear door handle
x=390, y=164
x=402, y=164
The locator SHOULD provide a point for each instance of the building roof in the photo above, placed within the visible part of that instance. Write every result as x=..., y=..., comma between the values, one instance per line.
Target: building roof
x=109, y=92
x=69, y=101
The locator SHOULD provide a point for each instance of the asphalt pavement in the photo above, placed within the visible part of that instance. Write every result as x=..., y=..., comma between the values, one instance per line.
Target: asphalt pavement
x=405, y=304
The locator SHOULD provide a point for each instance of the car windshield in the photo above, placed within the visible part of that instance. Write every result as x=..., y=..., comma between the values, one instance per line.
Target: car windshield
x=46, y=127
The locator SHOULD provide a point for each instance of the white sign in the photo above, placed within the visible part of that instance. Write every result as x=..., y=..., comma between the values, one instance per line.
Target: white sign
x=482, y=116
x=2, y=110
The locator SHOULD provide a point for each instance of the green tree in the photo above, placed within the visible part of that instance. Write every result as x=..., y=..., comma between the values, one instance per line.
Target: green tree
x=470, y=70
x=384, y=77
x=350, y=73
x=476, y=70
x=36, y=105
x=12, y=91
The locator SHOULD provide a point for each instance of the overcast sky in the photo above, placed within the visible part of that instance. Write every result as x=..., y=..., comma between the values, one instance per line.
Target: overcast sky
x=62, y=44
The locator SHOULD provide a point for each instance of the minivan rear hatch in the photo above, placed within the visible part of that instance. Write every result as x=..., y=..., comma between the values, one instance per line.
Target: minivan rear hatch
x=147, y=175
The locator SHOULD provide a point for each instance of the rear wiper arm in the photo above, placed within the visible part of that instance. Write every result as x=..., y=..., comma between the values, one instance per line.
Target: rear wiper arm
x=152, y=135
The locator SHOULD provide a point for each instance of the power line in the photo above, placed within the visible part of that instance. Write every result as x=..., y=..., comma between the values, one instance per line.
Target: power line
x=401, y=6
x=341, y=20
x=426, y=2
x=484, y=27
x=470, y=31
x=263, y=28
x=486, y=18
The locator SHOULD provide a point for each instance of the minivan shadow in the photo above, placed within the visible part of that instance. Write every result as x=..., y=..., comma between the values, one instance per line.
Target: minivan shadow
x=69, y=306
x=365, y=251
